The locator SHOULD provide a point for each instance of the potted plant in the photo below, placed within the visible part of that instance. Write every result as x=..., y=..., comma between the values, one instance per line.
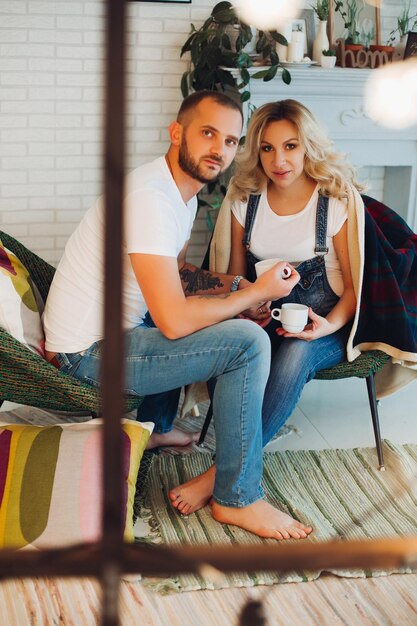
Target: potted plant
x=405, y=24
x=219, y=44
x=321, y=41
x=350, y=12
x=328, y=58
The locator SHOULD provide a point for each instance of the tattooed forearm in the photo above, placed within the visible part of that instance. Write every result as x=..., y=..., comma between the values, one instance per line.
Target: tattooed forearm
x=195, y=280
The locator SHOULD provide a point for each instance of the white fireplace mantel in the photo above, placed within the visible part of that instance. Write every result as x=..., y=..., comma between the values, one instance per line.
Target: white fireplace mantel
x=335, y=96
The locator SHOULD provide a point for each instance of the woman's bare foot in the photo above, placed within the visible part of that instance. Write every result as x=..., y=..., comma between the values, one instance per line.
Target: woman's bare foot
x=261, y=519
x=175, y=437
x=194, y=494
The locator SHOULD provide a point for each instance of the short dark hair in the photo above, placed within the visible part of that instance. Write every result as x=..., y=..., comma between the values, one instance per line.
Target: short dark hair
x=192, y=101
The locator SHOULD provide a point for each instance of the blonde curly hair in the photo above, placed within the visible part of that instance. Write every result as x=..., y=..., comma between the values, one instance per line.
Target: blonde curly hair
x=322, y=163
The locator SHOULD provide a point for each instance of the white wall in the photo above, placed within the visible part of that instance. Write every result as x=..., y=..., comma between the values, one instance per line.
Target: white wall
x=51, y=58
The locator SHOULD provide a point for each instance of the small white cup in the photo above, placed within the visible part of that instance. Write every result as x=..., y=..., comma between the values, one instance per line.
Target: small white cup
x=266, y=264
x=292, y=316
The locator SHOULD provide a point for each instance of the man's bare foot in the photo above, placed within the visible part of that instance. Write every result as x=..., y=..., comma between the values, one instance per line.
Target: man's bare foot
x=194, y=494
x=261, y=519
x=175, y=437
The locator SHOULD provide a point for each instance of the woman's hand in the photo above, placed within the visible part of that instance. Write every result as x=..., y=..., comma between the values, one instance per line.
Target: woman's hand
x=261, y=314
x=317, y=327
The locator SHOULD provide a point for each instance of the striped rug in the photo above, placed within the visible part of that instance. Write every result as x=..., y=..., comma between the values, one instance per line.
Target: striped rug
x=340, y=492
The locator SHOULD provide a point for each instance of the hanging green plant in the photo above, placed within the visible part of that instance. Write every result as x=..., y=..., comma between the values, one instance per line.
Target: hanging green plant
x=219, y=44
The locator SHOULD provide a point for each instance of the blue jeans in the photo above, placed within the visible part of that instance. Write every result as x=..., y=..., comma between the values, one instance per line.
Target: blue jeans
x=235, y=353
x=294, y=363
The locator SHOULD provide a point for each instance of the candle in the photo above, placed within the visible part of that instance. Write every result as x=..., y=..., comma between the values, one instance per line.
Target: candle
x=295, y=51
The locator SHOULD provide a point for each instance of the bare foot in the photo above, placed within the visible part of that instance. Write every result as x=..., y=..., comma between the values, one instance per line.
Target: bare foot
x=261, y=519
x=194, y=494
x=175, y=437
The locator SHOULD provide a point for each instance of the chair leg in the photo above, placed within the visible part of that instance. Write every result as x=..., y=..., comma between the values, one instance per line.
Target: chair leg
x=206, y=425
x=370, y=384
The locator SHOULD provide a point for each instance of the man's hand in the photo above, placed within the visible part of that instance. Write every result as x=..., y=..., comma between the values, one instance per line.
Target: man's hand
x=273, y=285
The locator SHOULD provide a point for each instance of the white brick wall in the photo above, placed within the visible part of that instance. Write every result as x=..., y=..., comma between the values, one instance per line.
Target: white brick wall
x=51, y=98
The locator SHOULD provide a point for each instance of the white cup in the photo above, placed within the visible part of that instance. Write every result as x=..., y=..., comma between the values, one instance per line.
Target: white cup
x=266, y=264
x=292, y=316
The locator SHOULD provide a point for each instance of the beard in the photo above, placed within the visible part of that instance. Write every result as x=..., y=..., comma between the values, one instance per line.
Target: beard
x=196, y=169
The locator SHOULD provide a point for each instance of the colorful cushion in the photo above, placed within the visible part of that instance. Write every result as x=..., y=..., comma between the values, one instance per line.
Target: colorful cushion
x=51, y=482
x=20, y=303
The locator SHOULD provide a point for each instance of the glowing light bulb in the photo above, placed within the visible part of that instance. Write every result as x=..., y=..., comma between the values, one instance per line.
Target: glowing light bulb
x=267, y=14
x=391, y=94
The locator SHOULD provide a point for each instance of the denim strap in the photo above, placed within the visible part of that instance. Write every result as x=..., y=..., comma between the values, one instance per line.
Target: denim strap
x=252, y=207
x=320, y=247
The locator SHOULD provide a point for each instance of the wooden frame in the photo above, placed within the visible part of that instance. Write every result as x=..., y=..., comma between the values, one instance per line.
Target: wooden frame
x=307, y=15
x=330, y=24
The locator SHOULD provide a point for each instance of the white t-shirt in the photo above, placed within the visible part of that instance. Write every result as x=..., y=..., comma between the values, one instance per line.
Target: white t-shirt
x=292, y=237
x=157, y=221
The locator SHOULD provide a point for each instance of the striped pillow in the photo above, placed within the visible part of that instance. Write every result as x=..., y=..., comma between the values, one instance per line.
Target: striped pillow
x=50, y=482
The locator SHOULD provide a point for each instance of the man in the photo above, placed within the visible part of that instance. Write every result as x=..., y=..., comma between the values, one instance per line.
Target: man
x=195, y=337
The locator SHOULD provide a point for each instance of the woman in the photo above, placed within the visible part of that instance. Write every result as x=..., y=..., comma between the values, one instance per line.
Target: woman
x=295, y=186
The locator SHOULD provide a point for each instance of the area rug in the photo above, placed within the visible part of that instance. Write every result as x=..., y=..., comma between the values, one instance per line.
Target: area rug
x=340, y=492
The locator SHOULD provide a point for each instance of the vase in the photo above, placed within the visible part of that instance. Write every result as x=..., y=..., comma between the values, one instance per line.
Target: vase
x=321, y=41
x=398, y=54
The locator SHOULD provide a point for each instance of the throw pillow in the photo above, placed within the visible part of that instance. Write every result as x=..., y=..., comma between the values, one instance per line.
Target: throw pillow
x=20, y=303
x=51, y=482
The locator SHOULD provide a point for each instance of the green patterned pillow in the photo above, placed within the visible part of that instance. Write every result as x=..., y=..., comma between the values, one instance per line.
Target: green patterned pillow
x=20, y=303
x=51, y=482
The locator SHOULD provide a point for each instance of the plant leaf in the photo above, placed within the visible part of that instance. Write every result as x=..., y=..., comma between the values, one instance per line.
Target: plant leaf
x=187, y=46
x=226, y=41
x=243, y=60
x=274, y=57
x=260, y=74
x=221, y=6
x=286, y=76
x=271, y=73
x=245, y=76
x=184, y=84
x=245, y=96
x=225, y=77
x=278, y=37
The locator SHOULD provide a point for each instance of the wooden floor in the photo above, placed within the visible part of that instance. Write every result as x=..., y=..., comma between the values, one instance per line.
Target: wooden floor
x=328, y=601
x=329, y=414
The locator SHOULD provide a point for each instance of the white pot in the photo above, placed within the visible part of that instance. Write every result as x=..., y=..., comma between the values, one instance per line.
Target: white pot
x=321, y=41
x=327, y=61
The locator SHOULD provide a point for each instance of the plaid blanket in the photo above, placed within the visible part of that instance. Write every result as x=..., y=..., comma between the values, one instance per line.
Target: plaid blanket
x=388, y=306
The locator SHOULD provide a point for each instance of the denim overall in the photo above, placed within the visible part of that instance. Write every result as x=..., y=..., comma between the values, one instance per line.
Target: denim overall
x=295, y=361
x=313, y=289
